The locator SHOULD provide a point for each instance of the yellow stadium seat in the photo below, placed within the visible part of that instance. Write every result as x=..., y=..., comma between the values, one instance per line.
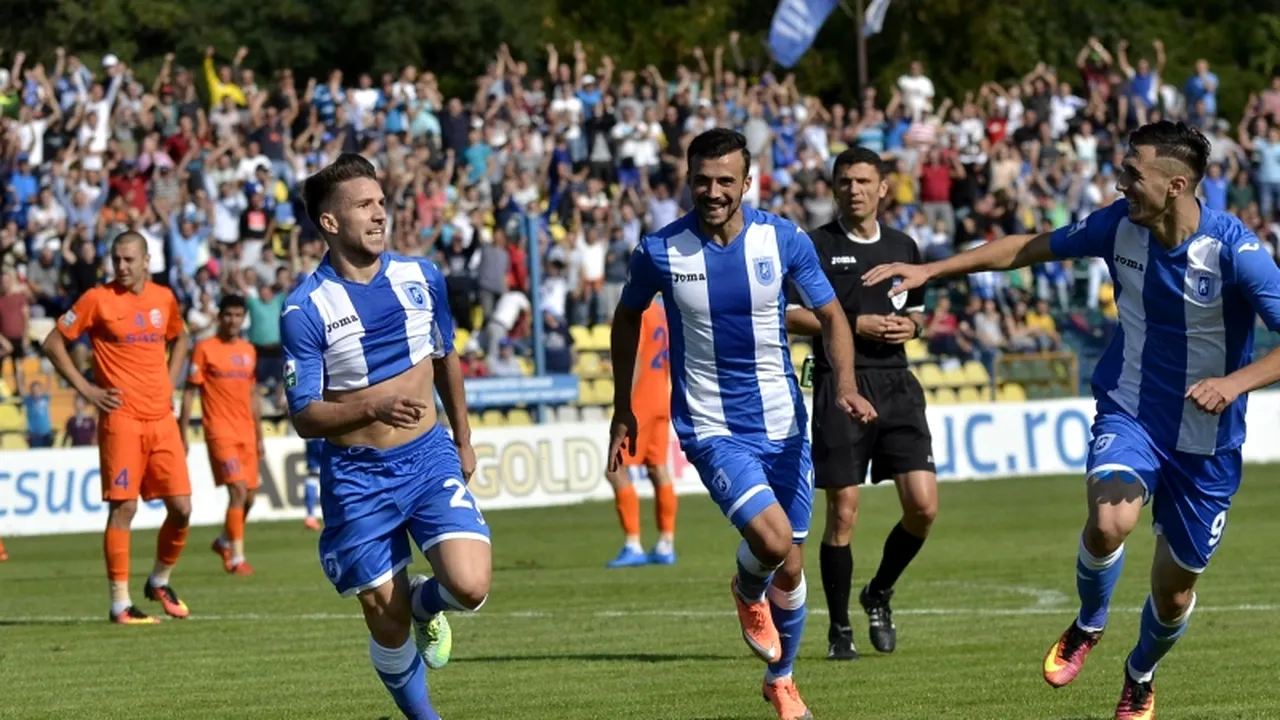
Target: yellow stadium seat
x=953, y=377
x=930, y=375
x=971, y=394
x=603, y=391
x=526, y=366
x=1012, y=392
x=461, y=337
x=13, y=441
x=581, y=336
x=917, y=351
x=588, y=365
x=11, y=419
x=944, y=396
x=477, y=316
x=474, y=420
x=519, y=417
x=586, y=391
x=600, y=339
x=975, y=373
x=800, y=351
x=492, y=418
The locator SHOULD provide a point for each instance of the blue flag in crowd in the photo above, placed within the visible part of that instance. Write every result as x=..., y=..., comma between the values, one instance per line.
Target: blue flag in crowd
x=795, y=25
x=873, y=22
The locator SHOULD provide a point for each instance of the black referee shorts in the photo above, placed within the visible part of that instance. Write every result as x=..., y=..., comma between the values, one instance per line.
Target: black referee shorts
x=897, y=442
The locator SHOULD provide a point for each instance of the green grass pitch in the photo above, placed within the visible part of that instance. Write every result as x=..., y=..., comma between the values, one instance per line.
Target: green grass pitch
x=564, y=638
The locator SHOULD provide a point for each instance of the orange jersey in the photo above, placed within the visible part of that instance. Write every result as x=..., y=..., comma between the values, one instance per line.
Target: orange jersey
x=130, y=335
x=651, y=394
x=224, y=372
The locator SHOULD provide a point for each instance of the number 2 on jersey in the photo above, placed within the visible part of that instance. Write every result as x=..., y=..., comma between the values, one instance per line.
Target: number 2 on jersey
x=460, y=497
x=663, y=355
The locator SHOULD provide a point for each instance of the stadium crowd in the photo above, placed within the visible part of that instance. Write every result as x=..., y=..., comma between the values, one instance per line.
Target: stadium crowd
x=569, y=159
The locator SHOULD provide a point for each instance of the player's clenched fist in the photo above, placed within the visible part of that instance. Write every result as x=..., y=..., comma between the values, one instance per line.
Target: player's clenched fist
x=858, y=407
x=1212, y=395
x=623, y=428
x=400, y=411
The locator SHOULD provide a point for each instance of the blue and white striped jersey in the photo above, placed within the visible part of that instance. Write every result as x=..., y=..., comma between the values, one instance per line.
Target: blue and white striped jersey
x=1186, y=314
x=731, y=370
x=341, y=335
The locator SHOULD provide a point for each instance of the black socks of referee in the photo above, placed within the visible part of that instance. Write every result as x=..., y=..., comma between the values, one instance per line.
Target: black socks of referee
x=900, y=549
x=836, y=564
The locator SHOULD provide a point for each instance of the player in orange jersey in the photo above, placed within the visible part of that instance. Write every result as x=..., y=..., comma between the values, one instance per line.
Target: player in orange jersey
x=131, y=323
x=651, y=395
x=3, y=555
x=223, y=369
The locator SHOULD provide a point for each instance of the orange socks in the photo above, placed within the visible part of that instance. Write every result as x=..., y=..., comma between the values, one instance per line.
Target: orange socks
x=115, y=547
x=170, y=543
x=628, y=510
x=233, y=529
x=665, y=499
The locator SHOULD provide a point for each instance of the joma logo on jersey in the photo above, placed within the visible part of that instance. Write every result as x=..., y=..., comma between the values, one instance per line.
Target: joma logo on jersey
x=688, y=277
x=348, y=320
x=844, y=260
x=1122, y=260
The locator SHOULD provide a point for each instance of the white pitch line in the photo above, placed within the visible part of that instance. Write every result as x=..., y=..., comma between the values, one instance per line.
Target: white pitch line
x=954, y=612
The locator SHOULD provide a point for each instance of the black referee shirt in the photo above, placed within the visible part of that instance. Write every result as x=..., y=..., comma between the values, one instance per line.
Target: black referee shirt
x=844, y=259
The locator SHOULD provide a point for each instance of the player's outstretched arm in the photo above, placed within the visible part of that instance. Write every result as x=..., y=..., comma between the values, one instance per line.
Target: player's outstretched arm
x=1007, y=253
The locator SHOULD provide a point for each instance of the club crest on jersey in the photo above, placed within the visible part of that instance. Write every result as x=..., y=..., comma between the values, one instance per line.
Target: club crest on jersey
x=720, y=482
x=900, y=300
x=417, y=295
x=1203, y=285
x=331, y=568
x=764, y=270
x=156, y=320
x=1103, y=442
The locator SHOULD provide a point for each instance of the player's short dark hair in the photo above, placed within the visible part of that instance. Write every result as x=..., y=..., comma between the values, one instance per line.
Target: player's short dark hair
x=858, y=155
x=130, y=236
x=317, y=189
x=1179, y=141
x=718, y=142
x=229, y=302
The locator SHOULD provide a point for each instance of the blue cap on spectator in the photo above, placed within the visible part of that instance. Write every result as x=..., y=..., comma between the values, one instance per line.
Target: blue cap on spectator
x=23, y=157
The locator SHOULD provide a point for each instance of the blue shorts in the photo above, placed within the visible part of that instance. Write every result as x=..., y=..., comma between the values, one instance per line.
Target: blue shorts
x=315, y=451
x=744, y=479
x=375, y=500
x=1190, y=494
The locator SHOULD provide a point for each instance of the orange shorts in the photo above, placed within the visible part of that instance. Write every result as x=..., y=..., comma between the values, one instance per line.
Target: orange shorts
x=141, y=457
x=234, y=461
x=653, y=442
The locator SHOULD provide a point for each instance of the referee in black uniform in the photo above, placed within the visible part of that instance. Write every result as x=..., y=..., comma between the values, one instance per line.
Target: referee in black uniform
x=897, y=446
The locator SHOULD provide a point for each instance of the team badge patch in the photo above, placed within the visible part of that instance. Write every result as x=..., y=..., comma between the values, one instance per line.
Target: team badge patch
x=1203, y=285
x=417, y=295
x=900, y=300
x=69, y=318
x=156, y=320
x=290, y=374
x=720, y=482
x=764, y=270
x=331, y=568
x=1103, y=442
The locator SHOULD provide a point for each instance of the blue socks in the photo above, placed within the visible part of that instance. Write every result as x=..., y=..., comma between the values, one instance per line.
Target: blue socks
x=311, y=494
x=405, y=675
x=753, y=575
x=1095, y=581
x=1155, y=640
x=789, y=611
